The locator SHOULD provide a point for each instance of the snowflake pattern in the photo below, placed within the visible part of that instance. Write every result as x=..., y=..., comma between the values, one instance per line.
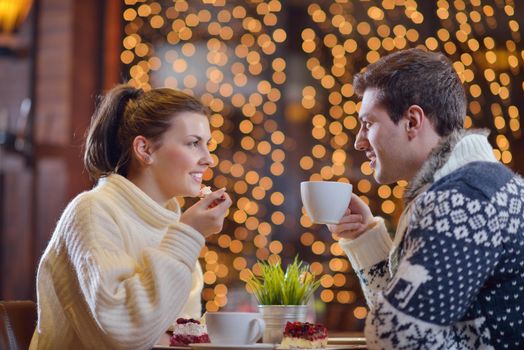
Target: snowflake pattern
x=473, y=251
x=387, y=328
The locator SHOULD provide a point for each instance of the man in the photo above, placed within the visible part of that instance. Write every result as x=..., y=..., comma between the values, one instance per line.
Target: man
x=453, y=276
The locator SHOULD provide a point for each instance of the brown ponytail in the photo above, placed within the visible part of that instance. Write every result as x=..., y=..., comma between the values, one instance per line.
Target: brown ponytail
x=123, y=114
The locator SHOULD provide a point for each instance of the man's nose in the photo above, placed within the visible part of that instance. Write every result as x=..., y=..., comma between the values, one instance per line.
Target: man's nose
x=360, y=142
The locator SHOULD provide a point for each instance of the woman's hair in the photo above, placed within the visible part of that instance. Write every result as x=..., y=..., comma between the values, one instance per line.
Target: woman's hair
x=125, y=113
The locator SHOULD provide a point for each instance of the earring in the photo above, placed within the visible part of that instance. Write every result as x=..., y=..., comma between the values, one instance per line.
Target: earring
x=147, y=159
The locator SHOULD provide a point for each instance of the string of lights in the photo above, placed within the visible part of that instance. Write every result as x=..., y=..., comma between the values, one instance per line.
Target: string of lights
x=272, y=126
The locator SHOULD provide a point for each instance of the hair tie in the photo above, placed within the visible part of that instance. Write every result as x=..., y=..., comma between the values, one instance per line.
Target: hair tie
x=136, y=93
x=127, y=95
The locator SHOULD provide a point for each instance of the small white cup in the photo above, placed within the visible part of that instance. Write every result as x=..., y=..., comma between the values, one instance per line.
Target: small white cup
x=325, y=201
x=234, y=328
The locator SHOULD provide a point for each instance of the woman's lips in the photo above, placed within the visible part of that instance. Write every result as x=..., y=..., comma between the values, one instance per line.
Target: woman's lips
x=197, y=177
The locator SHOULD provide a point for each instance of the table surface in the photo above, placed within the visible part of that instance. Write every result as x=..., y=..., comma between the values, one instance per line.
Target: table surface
x=336, y=339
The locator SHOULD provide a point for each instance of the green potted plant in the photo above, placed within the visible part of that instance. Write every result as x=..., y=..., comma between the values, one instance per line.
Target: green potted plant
x=282, y=295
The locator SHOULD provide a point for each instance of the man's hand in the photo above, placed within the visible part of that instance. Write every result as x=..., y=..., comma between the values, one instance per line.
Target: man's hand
x=356, y=220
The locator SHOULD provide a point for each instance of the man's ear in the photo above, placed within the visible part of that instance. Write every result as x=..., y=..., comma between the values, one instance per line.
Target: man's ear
x=142, y=150
x=415, y=118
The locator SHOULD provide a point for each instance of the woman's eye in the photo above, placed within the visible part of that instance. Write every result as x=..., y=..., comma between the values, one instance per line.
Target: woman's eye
x=194, y=144
x=367, y=125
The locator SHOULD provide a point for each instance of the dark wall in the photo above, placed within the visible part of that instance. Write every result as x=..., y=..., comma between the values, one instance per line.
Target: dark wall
x=71, y=55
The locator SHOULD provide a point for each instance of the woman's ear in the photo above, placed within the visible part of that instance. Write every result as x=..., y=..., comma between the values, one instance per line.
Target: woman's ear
x=142, y=150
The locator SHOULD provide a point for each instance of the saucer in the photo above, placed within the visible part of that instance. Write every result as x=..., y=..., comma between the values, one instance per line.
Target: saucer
x=335, y=347
x=258, y=346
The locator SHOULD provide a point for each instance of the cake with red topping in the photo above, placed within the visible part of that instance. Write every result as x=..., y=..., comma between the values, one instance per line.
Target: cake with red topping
x=304, y=335
x=188, y=331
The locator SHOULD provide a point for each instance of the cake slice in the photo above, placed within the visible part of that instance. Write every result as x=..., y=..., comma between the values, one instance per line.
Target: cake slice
x=187, y=331
x=304, y=335
x=204, y=191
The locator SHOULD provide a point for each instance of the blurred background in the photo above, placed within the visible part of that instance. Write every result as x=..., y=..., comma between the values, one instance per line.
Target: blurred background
x=277, y=76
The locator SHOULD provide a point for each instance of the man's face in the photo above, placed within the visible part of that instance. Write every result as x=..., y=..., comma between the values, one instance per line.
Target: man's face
x=386, y=144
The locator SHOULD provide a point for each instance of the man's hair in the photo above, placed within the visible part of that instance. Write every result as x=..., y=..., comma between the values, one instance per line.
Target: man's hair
x=417, y=77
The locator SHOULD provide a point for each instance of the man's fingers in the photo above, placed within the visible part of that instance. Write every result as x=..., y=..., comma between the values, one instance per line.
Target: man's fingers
x=351, y=218
x=354, y=226
x=348, y=234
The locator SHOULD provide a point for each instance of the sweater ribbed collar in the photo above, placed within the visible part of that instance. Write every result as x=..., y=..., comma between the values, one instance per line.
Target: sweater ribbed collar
x=452, y=152
x=145, y=206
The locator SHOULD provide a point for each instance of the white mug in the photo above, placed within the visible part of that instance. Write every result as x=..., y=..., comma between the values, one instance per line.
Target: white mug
x=325, y=201
x=234, y=328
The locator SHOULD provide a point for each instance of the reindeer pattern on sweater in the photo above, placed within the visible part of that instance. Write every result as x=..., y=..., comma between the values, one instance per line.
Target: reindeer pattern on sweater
x=457, y=281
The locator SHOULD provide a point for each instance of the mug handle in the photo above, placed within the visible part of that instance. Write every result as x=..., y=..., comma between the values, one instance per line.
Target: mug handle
x=259, y=327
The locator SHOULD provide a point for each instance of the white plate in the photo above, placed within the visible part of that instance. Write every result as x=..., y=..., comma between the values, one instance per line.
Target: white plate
x=337, y=347
x=265, y=346
x=259, y=346
x=347, y=340
x=205, y=346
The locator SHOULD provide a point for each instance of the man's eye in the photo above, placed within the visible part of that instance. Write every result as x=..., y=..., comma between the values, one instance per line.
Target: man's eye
x=367, y=125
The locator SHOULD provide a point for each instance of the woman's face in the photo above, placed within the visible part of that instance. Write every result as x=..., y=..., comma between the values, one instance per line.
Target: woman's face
x=179, y=162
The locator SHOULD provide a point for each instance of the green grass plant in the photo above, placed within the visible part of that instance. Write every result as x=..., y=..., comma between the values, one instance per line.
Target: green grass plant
x=295, y=286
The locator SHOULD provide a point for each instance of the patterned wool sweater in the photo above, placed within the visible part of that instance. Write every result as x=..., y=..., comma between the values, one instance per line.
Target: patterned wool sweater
x=454, y=278
x=117, y=272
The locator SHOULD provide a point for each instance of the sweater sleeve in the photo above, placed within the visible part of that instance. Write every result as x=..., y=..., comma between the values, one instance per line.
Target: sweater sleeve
x=125, y=303
x=368, y=255
x=451, y=248
x=193, y=307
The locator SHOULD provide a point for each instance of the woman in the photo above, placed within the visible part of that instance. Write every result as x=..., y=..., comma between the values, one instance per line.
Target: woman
x=122, y=263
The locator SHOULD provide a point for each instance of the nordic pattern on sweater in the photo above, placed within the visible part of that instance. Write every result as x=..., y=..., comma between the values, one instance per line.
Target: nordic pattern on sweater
x=373, y=279
x=460, y=280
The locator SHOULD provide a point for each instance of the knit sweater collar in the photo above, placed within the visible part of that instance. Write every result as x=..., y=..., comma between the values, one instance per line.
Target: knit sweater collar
x=453, y=151
x=144, y=205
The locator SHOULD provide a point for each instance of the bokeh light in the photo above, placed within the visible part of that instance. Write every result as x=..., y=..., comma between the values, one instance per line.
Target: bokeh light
x=284, y=110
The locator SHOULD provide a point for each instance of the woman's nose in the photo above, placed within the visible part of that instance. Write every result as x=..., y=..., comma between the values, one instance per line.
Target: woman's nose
x=207, y=159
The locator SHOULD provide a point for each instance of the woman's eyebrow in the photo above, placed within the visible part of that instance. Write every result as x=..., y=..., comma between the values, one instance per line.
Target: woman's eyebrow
x=200, y=138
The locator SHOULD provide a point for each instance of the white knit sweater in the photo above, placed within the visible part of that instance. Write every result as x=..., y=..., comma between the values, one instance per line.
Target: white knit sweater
x=119, y=269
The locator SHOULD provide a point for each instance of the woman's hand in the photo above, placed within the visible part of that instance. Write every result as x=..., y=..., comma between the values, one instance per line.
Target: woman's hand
x=356, y=220
x=207, y=215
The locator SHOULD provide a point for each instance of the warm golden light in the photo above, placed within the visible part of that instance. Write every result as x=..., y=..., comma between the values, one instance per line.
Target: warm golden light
x=360, y=312
x=268, y=135
x=13, y=13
